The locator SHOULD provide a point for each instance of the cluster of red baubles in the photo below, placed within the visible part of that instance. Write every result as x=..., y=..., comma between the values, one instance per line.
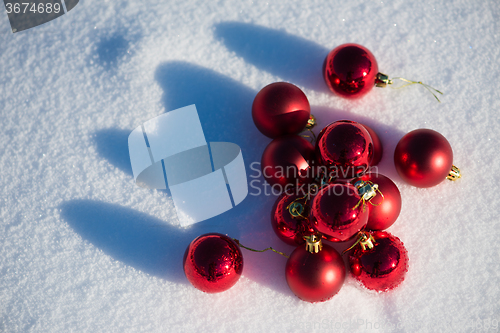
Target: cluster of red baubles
x=328, y=191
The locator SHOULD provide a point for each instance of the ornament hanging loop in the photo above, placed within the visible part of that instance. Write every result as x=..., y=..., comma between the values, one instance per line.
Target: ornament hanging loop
x=269, y=248
x=382, y=80
x=296, y=209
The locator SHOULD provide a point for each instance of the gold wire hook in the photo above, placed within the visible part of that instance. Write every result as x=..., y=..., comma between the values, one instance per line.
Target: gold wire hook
x=383, y=198
x=361, y=200
x=250, y=249
x=312, y=137
x=383, y=80
x=426, y=86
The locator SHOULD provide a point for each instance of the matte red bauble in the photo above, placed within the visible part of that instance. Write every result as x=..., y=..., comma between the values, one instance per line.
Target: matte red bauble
x=350, y=70
x=315, y=277
x=383, y=210
x=279, y=109
x=287, y=160
x=337, y=212
x=423, y=158
x=382, y=267
x=213, y=263
x=346, y=148
x=378, y=150
x=289, y=219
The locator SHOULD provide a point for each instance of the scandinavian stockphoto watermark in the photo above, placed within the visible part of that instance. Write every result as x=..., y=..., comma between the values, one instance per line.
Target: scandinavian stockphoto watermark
x=25, y=14
x=204, y=179
x=329, y=325
x=259, y=186
x=348, y=325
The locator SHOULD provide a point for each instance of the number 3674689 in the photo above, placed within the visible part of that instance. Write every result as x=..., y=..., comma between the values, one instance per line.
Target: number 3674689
x=30, y=7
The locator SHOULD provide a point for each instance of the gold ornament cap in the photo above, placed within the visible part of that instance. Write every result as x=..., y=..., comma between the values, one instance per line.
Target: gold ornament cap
x=311, y=122
x=365, y=240
x=454, y=173
x=313, y=243
x=382, y=80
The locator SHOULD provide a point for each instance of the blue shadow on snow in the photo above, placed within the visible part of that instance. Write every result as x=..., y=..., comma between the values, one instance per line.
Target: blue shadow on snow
x=292, y=58
x=112, y=144
x=137, y=239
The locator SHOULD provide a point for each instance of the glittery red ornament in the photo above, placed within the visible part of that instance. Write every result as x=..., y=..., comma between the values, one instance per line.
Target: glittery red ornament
x=279, y=109
x=287, y=161
x=382, y=267
x=289, y=218
x=423, y=158
x=213, y=263
x=378, y=150
x=346, y=148
x=337, y=212
x=315, y=277
x=350, y=70
x=383, y=210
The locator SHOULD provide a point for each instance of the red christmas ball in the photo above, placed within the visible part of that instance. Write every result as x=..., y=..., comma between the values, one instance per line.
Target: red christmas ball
x=378, y=150
x=213, y=263
x=383, y=210
x=315, y=277
x=423, y=158
x=287, y=161
x=350, y=70
x=279, y=109
x=337, y=212
x=383, y=267
x=346, y=148
x=289, y=219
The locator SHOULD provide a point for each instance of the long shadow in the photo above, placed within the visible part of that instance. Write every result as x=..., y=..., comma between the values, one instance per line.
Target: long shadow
x=112, y=144
x=224, y=105
x=290, y=57
x=137, y=239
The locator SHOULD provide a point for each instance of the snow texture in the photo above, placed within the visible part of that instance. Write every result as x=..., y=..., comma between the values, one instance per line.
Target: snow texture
x=83, y=249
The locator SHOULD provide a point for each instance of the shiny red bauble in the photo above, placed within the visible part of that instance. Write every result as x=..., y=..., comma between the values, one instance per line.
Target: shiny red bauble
x=378, y=150
x=337, y=212
x=213, y=263
x=350, y=70
x=383, y=209
x=423, y=158
x=345, y=148
x=289, y=218
x=279, y=109
x=315, y=277
x=384, y=266
x=287, y=160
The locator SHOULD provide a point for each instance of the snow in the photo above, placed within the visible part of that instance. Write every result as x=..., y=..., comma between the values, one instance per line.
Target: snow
x=83, y=249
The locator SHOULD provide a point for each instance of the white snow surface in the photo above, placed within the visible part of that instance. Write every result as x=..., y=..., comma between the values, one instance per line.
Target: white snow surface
x=83, y=249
